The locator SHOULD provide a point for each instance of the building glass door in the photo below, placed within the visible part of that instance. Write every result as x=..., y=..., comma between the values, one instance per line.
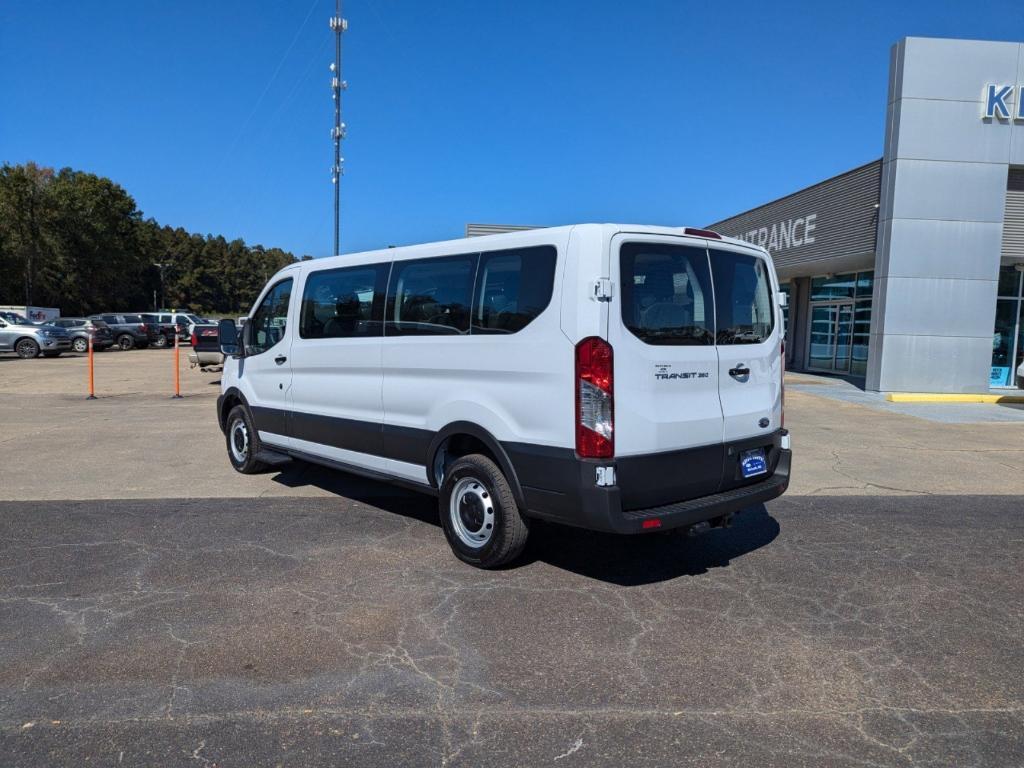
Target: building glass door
x=840, y=321
x=844, y=336
x=1008, y=335
x=831, y=337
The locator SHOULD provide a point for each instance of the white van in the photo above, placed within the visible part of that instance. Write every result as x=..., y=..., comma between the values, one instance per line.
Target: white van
x=618, y=378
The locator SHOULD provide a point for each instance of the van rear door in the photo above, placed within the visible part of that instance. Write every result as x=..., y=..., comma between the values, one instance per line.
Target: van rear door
x=666, y=369
x=749, y=342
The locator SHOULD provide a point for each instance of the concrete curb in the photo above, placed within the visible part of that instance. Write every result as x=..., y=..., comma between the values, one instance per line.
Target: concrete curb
x=925, y=397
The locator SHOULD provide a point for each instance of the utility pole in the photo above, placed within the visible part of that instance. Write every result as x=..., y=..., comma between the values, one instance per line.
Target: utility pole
x=338, y=26
x=161, y=267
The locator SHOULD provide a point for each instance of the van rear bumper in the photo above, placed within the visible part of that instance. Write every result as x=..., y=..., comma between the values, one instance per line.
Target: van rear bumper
x=602, y=508
x=580, y=502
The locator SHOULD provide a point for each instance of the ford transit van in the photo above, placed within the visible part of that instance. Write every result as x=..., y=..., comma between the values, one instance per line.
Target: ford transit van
x=619, y=378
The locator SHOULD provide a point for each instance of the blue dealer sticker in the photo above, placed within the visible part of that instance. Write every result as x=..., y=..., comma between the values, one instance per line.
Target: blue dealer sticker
x=753, y=462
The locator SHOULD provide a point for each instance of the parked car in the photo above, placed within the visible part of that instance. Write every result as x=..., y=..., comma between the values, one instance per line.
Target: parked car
x=130, y=331
x=166, y=326
x=205, y=352
x=196, y=320
x=183, y=322
x=626, y=379
x=27, y=339
x=81, y=328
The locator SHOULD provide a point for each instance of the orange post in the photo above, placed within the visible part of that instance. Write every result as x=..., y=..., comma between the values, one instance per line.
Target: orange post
x=177, y=367
x=92, y=381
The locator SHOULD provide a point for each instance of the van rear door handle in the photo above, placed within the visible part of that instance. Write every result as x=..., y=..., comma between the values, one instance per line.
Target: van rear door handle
x=739, y=370
x=280, y=359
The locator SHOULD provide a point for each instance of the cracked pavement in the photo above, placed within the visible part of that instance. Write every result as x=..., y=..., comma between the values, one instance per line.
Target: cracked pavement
x=871, y=617
x=825, y=631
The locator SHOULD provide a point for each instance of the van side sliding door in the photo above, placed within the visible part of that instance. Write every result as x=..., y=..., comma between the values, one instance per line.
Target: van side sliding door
x=336, y=364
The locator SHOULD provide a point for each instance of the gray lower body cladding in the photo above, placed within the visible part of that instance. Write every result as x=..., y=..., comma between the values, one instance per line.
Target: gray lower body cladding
x=679, y=488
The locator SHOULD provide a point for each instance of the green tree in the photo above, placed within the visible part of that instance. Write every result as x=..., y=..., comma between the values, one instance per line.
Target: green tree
x=78, y=241
x=24, y=228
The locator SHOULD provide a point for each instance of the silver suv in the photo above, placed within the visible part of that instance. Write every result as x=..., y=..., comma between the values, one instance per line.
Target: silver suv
x=27, y=340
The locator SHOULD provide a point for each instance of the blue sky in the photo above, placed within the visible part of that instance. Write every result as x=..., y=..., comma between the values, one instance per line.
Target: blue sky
x=216, y=115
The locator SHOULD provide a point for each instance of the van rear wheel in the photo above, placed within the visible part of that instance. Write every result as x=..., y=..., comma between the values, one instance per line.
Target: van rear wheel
x=479, y=514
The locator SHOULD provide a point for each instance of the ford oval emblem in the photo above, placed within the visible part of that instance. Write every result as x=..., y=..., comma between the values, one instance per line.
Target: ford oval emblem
x=763, y=423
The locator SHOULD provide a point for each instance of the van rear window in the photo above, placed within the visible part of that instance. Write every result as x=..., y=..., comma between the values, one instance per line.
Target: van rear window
x=666, y=293
x=743, y=303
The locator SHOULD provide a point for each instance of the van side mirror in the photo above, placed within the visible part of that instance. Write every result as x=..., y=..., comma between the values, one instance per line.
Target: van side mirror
x=230, y=344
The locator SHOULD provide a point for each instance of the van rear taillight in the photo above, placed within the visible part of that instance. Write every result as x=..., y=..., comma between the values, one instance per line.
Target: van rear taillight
x=595, y=403
x=782, y=384
x=194, y=339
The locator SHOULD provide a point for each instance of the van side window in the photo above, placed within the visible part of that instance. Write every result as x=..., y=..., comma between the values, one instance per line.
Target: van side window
x=270, y=319
x=430, y=297
x=743, y=303
x=344, y=303
x=512, y=288
x=666, y=294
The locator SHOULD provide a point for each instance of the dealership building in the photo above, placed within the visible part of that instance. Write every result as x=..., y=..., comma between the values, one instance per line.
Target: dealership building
x=908, y=271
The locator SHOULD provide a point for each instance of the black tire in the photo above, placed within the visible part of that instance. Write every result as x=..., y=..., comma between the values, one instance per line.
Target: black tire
x=51, y=354
x=484, y=495
x=125, y=341
x=243, y=460
x=162, y=342
x=26, y=349
x=80, y=345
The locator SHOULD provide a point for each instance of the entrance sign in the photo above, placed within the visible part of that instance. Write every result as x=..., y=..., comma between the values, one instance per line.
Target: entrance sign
x=835, y=220
x=784, y=234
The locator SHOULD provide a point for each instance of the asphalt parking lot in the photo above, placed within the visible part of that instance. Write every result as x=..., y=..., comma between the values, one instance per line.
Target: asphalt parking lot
x=158, y=609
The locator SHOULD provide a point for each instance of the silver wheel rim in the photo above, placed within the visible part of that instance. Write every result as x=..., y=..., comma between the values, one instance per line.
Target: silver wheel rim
x=81, y=345
x=471, y=511
x=239, y=441
x=125, y=342
x=27, y=349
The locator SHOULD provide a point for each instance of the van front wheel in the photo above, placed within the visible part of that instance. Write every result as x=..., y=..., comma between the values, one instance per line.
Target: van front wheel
x=243, y=442
x=479, y=514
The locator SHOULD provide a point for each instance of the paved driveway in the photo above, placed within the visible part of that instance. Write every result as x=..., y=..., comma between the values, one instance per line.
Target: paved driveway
x=821, y=631
x=158, y=609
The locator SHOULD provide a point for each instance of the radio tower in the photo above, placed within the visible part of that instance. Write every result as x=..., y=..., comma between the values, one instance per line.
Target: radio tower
x=338, y=26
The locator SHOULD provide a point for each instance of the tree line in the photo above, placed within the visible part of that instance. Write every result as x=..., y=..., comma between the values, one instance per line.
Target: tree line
x=77, y=241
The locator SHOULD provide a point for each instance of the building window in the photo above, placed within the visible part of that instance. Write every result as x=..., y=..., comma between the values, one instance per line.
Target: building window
x=1008, y=335
x=840, y=322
